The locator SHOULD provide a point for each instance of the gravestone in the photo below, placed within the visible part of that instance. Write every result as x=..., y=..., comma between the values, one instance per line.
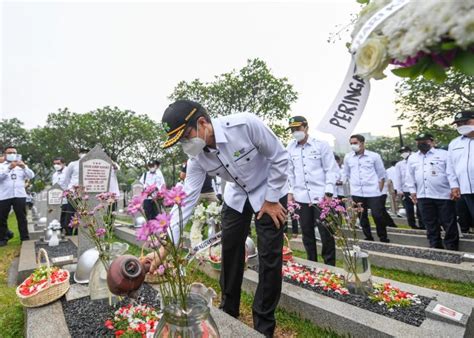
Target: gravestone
x=43, y=203
x=54, y=202
x=137, y=188
x=94, y=175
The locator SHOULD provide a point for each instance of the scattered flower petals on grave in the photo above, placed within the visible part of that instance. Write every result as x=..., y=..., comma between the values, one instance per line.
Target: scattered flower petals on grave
x=134, y=321
x=390, y=296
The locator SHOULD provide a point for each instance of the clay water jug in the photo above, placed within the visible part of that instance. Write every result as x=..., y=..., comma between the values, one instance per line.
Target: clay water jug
x=126, y=274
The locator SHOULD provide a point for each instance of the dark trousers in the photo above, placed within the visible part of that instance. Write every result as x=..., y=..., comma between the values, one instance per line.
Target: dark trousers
x=410, y=210
x=465, y=217
x=19, y=207
x=309, y=219
x=388, y=221
x=376, y=207
x=294, y=226
x=67, y=212
x=235, y=229
x=150, y=208
x=436, y=212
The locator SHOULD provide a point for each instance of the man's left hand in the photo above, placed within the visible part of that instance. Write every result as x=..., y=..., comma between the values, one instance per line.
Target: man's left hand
x=455, y=194
x=21, y=164
x=275, y=210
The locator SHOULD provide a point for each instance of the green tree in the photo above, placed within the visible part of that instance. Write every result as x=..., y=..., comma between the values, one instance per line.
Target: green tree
x=12, y=133
x=388, y=147
x=431, y=106
x=251, y=89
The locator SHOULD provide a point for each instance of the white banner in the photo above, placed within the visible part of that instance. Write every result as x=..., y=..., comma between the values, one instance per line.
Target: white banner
x=345, y=111
x=374, y=21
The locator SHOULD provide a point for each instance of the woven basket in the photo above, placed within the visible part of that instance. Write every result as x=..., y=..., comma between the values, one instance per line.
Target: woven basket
x=288, y=255
x=50, y=293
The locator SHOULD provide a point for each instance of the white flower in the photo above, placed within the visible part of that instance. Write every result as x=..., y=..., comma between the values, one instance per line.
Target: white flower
x=463, y=31
x=371, y=58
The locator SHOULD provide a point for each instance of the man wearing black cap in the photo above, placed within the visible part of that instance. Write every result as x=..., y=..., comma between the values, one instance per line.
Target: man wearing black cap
x=461, y=159
x=402, y=189
x=312, y=174
x=429, y=182
x=243, y=151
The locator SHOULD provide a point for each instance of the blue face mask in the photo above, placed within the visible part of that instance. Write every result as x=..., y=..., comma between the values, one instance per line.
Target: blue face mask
x=10, y=157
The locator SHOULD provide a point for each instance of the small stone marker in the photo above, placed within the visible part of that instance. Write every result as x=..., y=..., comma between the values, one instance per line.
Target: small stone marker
x=54, y=202
x=443, y=313
x=94, y=175
x=137, y=188
x=62, y=260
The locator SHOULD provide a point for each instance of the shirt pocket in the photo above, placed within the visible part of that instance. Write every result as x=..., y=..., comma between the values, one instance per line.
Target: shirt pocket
x=247, y=162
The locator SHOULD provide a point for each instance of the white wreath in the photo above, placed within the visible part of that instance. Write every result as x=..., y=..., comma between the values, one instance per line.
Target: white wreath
x=201, y=217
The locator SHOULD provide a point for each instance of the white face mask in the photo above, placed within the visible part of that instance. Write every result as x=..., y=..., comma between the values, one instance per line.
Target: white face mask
x=194, y=146
x=465, y=130
x=298, y=135
x=11, y=157
x=57, y=167
x=152, y=170
x=81, y=155
x=405, y=155
x=355, y=147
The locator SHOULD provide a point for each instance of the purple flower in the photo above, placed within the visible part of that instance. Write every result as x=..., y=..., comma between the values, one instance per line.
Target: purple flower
x=100, y=232
x=161, y=270
x=75, y=221
x=154, y=227
x=135, y=205
x=174, y=196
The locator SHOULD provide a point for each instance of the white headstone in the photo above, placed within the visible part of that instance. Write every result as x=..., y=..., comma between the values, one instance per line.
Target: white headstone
x=137, y=188
x=94, y=175
x=54, y=202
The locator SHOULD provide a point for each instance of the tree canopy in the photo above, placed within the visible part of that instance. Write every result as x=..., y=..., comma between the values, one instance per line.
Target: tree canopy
x=251, y=89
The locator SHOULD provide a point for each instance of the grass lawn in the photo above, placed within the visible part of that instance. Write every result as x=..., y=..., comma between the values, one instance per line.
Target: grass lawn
x=11, y=312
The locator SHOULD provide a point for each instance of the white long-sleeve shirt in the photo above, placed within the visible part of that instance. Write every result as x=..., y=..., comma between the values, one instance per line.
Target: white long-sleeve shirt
x=151, y=178
x=248, y=155
x=12, y=181
x=401, y=171
x=312, y=170
x=59, y=177
x=364, y=173
x=461, y=163
x=72, y=174
x=427, y=176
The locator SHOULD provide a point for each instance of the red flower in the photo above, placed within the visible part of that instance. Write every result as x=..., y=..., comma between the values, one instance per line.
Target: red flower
x=118, y=333
x=109, y=325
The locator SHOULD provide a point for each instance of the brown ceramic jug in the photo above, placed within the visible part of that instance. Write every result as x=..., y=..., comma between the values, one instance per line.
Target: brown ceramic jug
x=126, y=274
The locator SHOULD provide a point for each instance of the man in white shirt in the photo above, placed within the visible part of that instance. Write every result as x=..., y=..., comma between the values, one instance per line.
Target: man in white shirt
x=403, y=192
x=366, y=174
x=153, y=176
x=340, y=193
x=461, y=160
x=59, y=177
x=72, y=179
x=387, y=186
x=429, y=181
x=312, y=173
x=13, y=174
x=243, y=151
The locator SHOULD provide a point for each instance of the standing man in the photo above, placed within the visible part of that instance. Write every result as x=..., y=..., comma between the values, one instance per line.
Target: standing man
x=59, y=177
x=243, y=151
x=153, y=176
x=429, y=183
x=312, y=173
x=13, y=174
x=388, y=220
x=403, y=191
x=366, y=174
x=391, y=183
x=71, y=180
x=461, y=160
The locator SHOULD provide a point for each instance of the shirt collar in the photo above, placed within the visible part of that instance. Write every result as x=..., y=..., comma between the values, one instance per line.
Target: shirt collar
x=218, y=131
x=310, y=141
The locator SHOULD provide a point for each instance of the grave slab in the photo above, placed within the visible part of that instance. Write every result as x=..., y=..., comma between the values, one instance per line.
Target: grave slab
x=350, y=320
x=463, y=272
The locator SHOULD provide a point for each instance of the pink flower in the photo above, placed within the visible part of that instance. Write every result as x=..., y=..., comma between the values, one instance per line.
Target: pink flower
x=149, y=190
x=75, y=221
x=135, y=205
x=154, y=227
x=174, y=196
x=161, y=270
x=100, y=232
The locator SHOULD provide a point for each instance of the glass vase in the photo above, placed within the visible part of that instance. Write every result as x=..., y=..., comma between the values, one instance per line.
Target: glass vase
x=195, y=322
x=358, y=275
x=98, y=288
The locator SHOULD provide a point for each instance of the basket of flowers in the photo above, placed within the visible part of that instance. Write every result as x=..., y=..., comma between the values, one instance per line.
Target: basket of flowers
x=45, y=285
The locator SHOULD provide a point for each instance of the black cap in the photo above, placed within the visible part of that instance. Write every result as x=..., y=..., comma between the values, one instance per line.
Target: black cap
x=404, y=149
x=424, y=137
x=296, y=121
x=464, y=116
x=177, y=117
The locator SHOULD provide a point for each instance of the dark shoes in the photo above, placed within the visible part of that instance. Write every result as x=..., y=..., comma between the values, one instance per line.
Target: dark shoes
x=3, y=243
x=10, y=235
x=386, y=240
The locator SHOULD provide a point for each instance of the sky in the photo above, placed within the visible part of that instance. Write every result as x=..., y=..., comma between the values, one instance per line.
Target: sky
x=86, y=55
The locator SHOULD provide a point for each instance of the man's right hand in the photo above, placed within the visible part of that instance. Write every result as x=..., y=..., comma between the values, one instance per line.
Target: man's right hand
x=413, y=198
x=13, y=165
x=455, y=194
